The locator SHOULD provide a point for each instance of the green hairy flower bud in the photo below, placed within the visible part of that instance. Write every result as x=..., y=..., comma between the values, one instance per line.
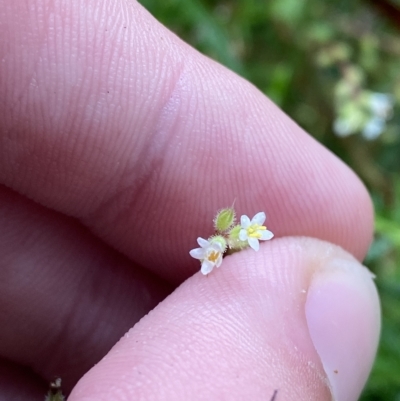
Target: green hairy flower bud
x=220, y=240
x=224, y=219
x=234, y=241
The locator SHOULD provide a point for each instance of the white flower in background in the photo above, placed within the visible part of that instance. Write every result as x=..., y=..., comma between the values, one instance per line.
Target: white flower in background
x=367, y=113
x=381, y=108
x=350, y=120
x=373, y=128
x=253, y=230
x=210, y=254
x=342, y=127
x=381, y=104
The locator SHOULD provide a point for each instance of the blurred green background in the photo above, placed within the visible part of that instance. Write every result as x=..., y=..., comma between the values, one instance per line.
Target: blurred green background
x=334, y=67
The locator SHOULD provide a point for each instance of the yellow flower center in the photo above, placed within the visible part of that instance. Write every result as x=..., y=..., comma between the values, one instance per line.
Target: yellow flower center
x=254, y=231
x=213, y=256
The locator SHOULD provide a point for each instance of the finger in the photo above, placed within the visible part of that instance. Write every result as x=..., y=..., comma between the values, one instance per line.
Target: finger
x=65, y=297
x=109, y=117
x=300, y=317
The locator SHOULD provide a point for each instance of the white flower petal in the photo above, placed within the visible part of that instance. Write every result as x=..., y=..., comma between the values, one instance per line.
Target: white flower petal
x=219, y=261
x=373, y=128
x=245, y=222
x=243, y=235
x=203, y=242
x=216, y=246
x=266, y=235
x=342, y=127
x=206, y=267
x=253, y=242
x=381, y=104
x=198, y=253
x=259, y=218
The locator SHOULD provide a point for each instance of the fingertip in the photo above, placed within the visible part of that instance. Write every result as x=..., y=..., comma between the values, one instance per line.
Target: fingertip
x=343, y=316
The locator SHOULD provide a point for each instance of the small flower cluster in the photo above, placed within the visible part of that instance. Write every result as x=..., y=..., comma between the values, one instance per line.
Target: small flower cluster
x=367, y=113
x=230, y=236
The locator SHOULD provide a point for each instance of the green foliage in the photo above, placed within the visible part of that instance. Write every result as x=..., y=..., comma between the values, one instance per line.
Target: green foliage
x=384, y=258
x=323, y=62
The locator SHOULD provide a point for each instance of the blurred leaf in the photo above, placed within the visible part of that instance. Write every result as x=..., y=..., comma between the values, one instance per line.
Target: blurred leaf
x=289, y=11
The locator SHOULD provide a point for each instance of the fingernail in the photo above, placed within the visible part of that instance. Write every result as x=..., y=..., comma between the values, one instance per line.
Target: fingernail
x=343, y=317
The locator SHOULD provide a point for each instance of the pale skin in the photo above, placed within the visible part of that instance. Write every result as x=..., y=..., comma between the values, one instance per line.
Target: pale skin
x=118, y=143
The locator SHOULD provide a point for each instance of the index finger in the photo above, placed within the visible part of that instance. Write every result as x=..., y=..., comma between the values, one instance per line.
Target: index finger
x=109, y=117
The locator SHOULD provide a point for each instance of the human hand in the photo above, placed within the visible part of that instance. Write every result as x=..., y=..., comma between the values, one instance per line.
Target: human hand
x=119, y=142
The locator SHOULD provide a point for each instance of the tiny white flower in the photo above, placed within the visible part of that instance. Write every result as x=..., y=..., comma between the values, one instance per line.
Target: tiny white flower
x=254, y=231
x=373, y=128
x=210, y=254
x=381, y=104
x=342, y=127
